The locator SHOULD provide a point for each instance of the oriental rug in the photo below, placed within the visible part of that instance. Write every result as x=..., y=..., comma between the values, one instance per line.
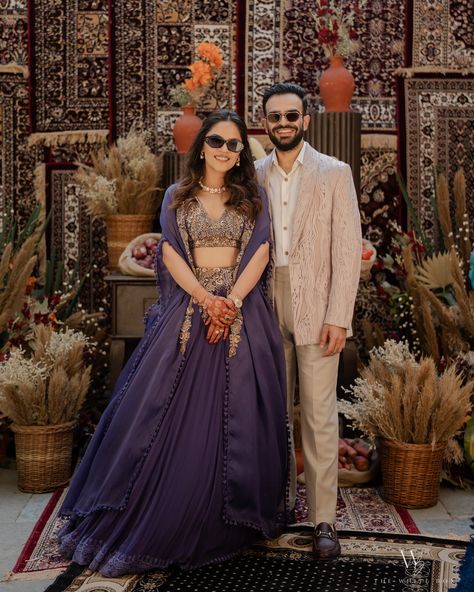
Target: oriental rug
x=154, y=42
x=441, y=34
x=69, y=62
x=74, y=237
x=17, y=161
x=358, y=509
x=437, y=133
x=375, y=563
x=280, y=44
x=13, y=32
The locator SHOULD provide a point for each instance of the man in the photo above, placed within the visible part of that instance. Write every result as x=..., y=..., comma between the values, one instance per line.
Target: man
x=318, y=246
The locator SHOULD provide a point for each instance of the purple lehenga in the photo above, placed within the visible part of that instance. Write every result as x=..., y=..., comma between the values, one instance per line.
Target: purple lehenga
x=188, y=464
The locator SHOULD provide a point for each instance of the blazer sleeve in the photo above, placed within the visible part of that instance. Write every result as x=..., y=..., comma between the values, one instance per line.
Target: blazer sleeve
x=346, y=249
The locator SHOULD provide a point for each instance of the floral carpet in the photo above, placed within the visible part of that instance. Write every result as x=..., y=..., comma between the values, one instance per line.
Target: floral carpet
x=375, y=562
x=358, y=509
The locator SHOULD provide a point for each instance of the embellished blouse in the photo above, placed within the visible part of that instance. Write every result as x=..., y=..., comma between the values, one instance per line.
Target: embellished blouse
x=198, y=229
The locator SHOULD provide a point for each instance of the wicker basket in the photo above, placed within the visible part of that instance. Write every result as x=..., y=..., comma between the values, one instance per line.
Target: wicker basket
x=121, y=229
x=410, y=472
x=43, y=456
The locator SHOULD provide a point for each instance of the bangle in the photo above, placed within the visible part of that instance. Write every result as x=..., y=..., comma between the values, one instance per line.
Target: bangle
x=237, y=301
x=204, y=295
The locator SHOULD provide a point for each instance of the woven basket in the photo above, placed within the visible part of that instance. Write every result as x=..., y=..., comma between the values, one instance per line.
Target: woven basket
x=43, y=456
x=410, y=473
x=121, y=229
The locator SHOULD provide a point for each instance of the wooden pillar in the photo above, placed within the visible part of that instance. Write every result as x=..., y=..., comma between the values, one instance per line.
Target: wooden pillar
x=338, y=134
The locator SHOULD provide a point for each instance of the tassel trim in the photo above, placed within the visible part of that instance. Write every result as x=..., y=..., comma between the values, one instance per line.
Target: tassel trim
x=68, y=137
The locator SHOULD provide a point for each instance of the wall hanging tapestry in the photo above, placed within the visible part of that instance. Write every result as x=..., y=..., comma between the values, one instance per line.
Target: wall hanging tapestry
x=74, y=237
x=69, y=65
x=441, y=34
x=13, y=32
x=17, y=161
x=437, y=133
x=154, y=42
x=281, y=44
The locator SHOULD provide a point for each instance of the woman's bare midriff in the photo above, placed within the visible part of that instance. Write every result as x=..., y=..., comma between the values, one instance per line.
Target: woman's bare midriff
x=214, y=256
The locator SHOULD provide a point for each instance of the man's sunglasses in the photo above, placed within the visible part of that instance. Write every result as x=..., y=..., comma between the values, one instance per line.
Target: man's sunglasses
x=290, y=116
x=233, y=145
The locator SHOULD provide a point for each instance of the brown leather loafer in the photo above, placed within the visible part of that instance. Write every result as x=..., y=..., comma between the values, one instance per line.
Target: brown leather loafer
x=325, y=543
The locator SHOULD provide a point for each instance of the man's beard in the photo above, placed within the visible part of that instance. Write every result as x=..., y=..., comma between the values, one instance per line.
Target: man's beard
x=286, y=146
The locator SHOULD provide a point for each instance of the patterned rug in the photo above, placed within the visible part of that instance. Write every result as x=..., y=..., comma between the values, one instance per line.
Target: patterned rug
x=358, y=509
x=17, y=161
x=70, y=73
x=280, y=44
x=441, y=34
x=154, y=42
x=13, y=32
x=379, y=563
x=75, y=237
x=437, y=132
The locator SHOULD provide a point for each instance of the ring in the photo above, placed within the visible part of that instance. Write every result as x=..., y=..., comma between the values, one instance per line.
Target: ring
x=221, y=330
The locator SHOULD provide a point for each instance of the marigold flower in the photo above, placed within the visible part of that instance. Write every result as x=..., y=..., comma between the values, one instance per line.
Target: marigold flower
x=211, y=53
x=201, y=72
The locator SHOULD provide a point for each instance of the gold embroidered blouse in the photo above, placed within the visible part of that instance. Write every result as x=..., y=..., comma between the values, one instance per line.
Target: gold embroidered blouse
x=198, y=229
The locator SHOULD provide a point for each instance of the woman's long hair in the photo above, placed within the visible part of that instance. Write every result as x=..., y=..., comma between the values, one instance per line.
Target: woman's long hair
x=241, y=181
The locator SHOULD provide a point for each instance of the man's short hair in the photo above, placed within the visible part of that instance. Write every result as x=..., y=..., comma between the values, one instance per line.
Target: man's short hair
x=284, y=88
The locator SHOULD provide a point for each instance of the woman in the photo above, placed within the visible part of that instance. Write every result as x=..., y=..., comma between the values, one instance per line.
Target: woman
x=188, y=464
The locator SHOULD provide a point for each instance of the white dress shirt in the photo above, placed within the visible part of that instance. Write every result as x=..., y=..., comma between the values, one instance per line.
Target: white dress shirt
x=284, y=189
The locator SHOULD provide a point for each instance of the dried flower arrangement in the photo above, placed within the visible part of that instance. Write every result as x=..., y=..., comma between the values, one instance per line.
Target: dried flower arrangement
x=33, y=296
x=203, y=82
x=49, y=386
x=335, y=27
x=399, y=398
x=123, y=178
x=17, y=262
x=426, y=285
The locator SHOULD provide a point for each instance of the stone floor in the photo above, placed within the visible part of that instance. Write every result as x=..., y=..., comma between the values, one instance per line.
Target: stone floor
x=20, y=511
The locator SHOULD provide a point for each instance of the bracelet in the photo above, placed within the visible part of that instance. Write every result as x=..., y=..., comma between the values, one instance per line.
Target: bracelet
x=237, y=301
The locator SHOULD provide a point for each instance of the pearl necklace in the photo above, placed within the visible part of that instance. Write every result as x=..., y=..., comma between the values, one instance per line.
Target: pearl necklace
x=211, y=189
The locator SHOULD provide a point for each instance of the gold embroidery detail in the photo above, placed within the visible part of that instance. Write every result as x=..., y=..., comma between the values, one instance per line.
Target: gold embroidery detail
x=215, y=241
x=185, y=332
x=206, y=232
x=234, y=334
x=217, y=280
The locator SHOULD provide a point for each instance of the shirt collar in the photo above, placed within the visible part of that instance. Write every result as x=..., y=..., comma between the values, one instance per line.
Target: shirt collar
x=298, y=161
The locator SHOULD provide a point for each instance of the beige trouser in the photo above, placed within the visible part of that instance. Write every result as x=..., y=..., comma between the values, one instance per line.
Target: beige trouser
x=319, y=421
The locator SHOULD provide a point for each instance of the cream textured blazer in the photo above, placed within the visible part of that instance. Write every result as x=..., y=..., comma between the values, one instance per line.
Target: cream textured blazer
x=325, y=245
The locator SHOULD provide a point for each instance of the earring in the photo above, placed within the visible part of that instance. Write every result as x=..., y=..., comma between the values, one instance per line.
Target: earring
x=202, y=154
x=238, y=162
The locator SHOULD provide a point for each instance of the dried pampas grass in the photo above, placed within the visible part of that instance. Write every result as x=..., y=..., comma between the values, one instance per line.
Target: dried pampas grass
x=123, y=179
x=401, y=399
x=49, y=387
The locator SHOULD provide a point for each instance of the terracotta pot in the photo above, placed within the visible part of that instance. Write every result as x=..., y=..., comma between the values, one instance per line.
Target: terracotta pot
x=186, y=129
x=336, y=86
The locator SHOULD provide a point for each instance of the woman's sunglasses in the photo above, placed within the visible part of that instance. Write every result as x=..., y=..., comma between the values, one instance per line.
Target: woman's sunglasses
x=290, y=116
x=233, y=145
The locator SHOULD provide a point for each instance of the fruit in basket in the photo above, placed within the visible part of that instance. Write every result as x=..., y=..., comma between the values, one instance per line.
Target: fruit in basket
x=367, y=254
x=354, y=453
x=144, y=253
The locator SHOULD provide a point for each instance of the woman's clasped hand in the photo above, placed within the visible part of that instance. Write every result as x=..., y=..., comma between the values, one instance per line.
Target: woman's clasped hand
x=221, y=314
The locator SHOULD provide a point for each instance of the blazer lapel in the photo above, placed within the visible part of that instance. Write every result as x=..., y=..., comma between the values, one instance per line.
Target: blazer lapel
x=306, y=194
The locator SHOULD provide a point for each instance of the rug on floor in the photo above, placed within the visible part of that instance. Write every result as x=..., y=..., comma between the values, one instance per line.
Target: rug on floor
x=359, y=509
x=369, y=561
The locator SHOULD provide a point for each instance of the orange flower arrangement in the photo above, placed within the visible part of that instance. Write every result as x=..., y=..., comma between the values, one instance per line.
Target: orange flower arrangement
x=204, y=76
